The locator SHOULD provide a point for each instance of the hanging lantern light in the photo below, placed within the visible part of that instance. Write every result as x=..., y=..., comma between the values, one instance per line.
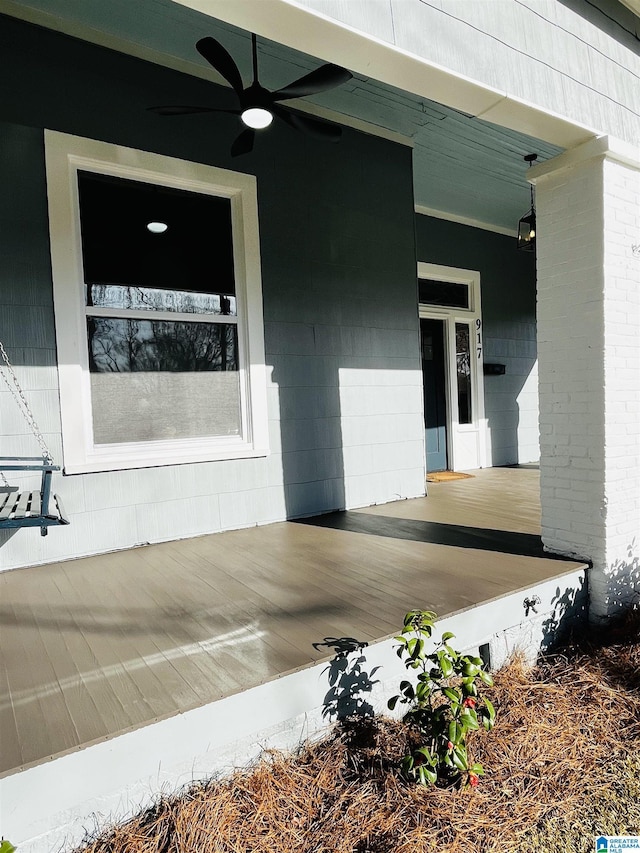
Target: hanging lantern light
x=527, y=224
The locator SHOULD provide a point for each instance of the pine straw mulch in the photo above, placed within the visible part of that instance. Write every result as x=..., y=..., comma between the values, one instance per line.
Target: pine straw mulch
x=562, y=765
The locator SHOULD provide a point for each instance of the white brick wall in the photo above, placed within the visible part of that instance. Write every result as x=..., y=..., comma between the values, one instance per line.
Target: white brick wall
x=622, y=382
x=589, y=367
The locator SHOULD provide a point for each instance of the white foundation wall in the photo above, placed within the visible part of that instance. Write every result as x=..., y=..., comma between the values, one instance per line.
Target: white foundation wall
x=50, y=806
x=589, y=364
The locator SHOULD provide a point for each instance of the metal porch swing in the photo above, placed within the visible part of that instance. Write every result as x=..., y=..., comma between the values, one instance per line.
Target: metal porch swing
x=27, y=509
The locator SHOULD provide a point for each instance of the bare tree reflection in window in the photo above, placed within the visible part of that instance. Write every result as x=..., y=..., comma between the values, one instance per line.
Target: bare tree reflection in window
x=133, y=297
x=125, y=345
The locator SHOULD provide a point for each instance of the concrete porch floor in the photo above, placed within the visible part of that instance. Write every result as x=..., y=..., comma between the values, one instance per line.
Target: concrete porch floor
x=100, y=646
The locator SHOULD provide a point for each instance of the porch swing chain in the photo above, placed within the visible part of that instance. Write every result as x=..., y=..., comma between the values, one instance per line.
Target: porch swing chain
x=18, y=396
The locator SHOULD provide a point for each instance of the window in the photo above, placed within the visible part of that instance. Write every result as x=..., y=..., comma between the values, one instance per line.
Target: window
x=452, y=294
x=158, y=308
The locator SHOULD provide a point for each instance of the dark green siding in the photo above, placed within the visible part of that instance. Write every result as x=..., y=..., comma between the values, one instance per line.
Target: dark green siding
x=338, y=265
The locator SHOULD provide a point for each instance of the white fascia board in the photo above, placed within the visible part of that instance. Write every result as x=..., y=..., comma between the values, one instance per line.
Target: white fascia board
x=464, y=220
x=524, y=117
x=604, y=147
x=316, y=34
x=286, y=22
x=633, y=5
x=300, y=28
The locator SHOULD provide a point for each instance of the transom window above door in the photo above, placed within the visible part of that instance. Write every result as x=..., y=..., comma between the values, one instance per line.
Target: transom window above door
x=168, y=366
x=448, y=294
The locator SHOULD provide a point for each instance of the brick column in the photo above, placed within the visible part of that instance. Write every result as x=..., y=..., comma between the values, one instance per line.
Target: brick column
x=588, y=259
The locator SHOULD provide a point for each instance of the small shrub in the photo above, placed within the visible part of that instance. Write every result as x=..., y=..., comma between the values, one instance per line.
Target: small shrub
x=444, y=705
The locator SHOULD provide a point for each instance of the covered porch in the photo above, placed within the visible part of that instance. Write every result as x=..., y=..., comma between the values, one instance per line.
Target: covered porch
x=96, y=647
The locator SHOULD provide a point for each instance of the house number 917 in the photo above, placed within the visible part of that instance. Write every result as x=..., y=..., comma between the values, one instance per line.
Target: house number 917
x=479, y=337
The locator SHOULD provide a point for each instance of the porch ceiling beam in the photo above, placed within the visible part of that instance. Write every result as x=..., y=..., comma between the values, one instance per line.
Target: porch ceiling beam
x=299, y=28
x=634, y=5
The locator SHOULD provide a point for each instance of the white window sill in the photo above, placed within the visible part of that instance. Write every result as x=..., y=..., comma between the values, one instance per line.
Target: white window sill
x=156, y=455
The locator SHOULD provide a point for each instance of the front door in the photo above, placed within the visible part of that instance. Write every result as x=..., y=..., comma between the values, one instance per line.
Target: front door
x=435, y=398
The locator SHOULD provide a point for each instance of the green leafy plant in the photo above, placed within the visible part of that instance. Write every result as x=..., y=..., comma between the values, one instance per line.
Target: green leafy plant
x=6, y=846
x=444, y=704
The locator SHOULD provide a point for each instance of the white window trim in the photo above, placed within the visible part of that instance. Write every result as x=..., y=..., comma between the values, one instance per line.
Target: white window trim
x=66, y=154
x=451, y=316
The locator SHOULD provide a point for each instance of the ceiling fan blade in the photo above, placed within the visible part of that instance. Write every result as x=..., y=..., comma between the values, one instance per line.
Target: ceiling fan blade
x=183, y=110
x=326, y=77
x=222, y=61
x=244, y=143
x=318, y=128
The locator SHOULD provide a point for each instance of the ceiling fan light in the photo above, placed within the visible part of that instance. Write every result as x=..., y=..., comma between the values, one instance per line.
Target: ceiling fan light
x=257, y=118
x=157, y=227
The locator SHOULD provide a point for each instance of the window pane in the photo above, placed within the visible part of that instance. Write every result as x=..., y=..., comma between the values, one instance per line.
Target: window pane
x=153, y=380
x=127, y=346
x=449, y=293
x=154, y=299
x=463, y=367
x=193, y=253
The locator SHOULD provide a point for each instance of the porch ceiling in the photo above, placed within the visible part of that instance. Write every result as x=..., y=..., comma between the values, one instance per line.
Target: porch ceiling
x=464, y=167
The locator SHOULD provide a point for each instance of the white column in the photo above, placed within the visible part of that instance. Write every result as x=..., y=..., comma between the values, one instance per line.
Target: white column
x=588, y=258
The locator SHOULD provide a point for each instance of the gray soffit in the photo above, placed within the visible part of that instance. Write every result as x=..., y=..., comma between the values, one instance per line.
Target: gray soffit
x=464, y=168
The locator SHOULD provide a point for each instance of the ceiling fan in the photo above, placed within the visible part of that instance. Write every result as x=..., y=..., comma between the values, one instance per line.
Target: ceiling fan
x=257, y=105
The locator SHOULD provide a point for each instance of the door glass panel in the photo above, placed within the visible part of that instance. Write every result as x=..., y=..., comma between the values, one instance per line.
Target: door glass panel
x=435, y=401
x=463, y=370
x=427, y=347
